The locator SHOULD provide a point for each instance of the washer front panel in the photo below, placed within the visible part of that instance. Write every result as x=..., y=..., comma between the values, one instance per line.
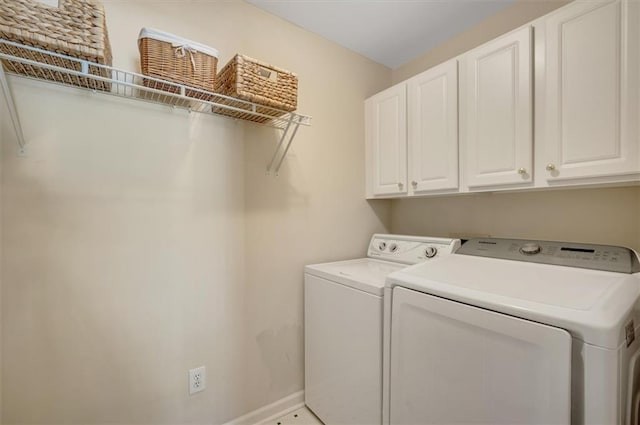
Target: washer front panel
x=343, y=356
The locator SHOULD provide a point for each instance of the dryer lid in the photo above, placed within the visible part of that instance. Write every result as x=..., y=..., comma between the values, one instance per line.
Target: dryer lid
x=593, y=305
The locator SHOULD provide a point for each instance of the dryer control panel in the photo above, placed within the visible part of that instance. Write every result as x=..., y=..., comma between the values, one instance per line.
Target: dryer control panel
x=410, y=249
x=586, y=256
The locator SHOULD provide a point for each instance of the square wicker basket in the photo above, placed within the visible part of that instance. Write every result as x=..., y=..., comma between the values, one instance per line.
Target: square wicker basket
x=258, y=82
x=178, y=60
x=75, y=28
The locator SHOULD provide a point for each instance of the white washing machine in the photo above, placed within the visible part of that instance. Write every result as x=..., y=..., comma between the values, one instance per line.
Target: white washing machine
x=514, y=332
x=343, y=327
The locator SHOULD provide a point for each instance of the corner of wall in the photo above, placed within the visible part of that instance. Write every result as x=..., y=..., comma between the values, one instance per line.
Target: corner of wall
x=638, y=220
x=3, y=114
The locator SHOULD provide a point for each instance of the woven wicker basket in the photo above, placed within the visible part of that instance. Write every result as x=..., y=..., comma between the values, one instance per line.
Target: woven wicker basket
x=168, y=57
x=75, y=28
x=257, y=82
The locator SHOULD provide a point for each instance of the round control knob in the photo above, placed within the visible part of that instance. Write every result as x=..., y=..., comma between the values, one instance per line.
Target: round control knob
x=382, y=246
x=530, y=249
x=430, y=251
x=393, y=247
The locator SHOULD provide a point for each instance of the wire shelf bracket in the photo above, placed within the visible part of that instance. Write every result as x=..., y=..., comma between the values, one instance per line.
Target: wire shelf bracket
x=280, y=153
x=13, y=112
x=38, y=64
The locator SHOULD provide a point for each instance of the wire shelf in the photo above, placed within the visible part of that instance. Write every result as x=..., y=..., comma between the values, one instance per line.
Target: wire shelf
x=31, y=62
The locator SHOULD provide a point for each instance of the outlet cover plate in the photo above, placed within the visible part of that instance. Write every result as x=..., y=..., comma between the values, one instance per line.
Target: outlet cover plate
x=197, y=379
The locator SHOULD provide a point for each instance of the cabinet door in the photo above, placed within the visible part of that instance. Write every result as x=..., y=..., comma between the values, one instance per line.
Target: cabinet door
x=590, y=91
x=386, y=135
x=496, y=125
x=433, y=129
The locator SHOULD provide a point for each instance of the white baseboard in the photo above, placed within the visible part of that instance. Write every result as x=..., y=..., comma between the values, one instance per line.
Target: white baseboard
x=271, y=411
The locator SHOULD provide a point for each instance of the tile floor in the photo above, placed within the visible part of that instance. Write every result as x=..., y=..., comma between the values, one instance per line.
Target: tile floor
x=302, y=416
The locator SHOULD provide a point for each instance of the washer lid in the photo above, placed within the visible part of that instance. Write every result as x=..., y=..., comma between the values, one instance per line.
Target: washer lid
x=364, y=274
x=593, y=305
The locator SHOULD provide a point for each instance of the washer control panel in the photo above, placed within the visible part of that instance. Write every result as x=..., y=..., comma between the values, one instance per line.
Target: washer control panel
x=410, y=249
x=586, y=256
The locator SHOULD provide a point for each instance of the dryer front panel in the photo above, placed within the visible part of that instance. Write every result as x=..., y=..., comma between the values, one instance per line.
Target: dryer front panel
x=452, y=363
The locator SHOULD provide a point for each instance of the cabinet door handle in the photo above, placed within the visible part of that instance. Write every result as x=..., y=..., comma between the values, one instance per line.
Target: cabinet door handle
x=414, y=183
x=550, y=167
x=522, y=171
x=400, y=185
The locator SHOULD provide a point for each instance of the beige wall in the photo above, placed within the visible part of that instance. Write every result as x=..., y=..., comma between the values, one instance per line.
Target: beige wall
x=140, y=241
x=607, y=216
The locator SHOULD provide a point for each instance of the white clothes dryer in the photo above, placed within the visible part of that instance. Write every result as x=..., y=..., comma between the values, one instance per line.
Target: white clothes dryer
x=343, y=327
x=514, y=332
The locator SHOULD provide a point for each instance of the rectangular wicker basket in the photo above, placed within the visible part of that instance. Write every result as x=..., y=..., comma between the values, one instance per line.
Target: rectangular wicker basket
x=258, y=82
x=172, y=58
x=75, y=28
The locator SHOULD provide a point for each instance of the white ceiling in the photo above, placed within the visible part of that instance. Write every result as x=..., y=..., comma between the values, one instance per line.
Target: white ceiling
x=391, y=32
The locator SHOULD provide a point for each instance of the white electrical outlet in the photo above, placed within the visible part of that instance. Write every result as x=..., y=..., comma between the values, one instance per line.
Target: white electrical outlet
x=197, y=379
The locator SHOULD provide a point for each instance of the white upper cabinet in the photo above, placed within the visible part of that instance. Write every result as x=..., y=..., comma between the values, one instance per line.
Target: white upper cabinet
x=433, y=129
x=468, y=124
x=497, y=112
x=386, y=142
x=588, y=91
